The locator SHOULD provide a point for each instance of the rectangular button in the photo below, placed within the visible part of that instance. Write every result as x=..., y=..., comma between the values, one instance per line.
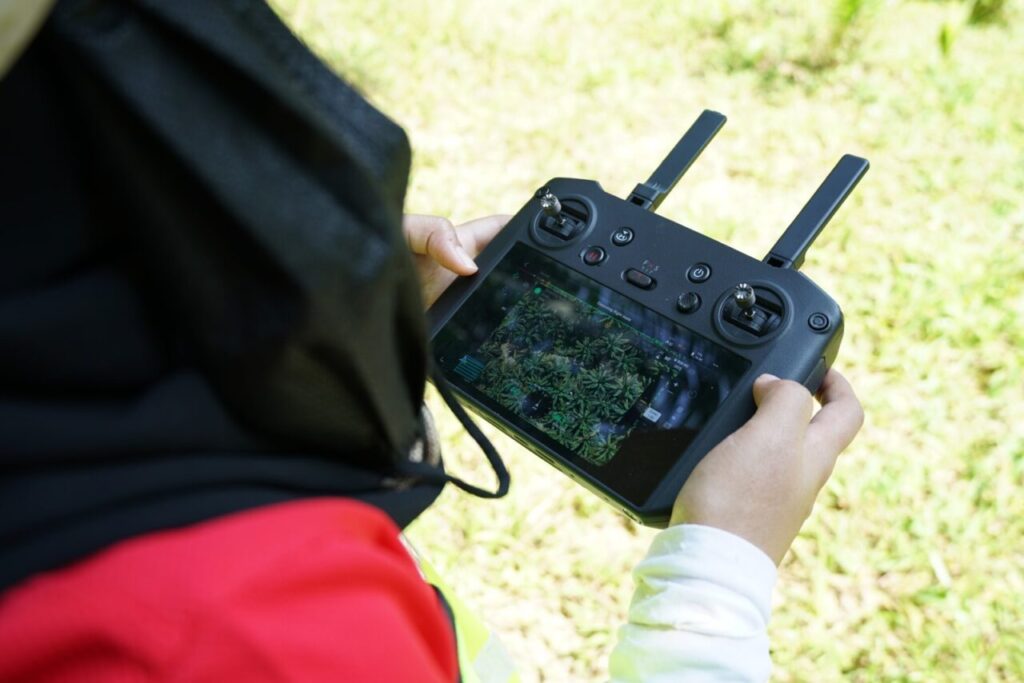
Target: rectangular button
x=639, y=279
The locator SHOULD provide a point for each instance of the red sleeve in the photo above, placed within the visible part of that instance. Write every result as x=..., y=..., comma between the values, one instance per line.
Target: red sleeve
x=315, y=590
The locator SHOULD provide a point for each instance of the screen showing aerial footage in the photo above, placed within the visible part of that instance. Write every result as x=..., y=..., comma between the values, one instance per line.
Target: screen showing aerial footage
x=580, y=367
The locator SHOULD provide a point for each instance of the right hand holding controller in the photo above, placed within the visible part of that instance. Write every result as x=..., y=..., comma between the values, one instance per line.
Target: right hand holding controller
x=761, y=482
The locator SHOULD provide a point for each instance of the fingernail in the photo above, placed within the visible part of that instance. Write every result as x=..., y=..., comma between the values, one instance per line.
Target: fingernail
x=466, y=259
x=767, y=377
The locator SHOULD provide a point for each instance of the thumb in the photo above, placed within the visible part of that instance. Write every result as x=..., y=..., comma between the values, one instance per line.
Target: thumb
x=782, y=404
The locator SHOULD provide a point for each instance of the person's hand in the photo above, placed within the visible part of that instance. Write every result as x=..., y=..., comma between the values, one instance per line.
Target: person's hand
x=442, y=251
x=761, y=482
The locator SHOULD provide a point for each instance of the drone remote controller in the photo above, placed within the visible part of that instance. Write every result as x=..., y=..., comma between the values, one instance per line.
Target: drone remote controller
x=620, y=346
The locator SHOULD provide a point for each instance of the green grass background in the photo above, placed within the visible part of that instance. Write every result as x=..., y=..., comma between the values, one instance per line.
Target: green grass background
x=912, y=566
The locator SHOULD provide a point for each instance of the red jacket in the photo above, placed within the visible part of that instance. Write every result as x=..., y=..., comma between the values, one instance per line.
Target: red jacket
x=316, y=590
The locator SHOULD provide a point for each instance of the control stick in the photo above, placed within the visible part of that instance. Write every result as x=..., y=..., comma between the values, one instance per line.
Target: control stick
x=745, y=299
x=550, y=205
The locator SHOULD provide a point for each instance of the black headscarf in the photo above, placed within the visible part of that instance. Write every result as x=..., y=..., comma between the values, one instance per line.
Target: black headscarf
x=206, y=303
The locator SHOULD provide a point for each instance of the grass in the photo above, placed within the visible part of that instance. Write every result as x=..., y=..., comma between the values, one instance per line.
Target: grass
x=912, y=567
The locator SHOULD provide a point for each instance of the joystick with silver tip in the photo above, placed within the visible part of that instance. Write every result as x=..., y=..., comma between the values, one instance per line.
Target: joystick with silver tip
x=550, y=205
x=745, y=298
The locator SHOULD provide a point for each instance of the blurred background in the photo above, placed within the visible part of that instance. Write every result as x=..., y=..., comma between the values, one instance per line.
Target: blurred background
x=912, y=566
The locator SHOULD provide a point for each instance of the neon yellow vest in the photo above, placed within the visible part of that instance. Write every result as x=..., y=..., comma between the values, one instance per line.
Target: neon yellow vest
x=482, y=658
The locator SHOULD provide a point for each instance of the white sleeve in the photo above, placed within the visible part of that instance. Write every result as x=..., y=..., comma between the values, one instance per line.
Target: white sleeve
x=699, y=612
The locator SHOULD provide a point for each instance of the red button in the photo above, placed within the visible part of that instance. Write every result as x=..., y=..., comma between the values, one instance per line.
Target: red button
x=592, y=256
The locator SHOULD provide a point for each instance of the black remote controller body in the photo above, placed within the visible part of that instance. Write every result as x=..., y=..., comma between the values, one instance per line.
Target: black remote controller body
x=620, y=346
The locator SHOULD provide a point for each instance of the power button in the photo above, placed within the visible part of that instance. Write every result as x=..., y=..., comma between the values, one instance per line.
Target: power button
x=699, y=272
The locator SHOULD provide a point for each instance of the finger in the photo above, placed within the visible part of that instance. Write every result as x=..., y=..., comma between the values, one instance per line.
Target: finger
x=418, y=228
x=784, y=404
x=477, y=234
x=436, y=237
x=836, y=424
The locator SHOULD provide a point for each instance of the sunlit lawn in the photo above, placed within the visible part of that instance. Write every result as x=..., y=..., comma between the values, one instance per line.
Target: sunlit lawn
x=912, y=567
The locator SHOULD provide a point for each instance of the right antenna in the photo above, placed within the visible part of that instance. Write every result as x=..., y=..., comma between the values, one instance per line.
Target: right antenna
x=789, y=251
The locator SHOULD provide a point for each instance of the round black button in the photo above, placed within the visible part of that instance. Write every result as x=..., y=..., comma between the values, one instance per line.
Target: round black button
x=819, y=322
x=688, y=302
x=593, y=255
x=622, y=236
x=699, y=272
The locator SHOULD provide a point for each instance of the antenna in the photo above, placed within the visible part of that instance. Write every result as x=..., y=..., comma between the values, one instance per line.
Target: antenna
x=649, y=195
x=789, y=251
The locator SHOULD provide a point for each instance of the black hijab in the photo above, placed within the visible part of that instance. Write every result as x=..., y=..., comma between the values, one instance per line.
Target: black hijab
x=206, y=303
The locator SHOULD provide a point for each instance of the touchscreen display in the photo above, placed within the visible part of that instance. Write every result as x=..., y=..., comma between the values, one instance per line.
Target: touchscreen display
x=613, y=387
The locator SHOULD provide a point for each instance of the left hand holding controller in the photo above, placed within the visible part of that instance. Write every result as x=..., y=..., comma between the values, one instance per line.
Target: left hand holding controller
x=443, y=251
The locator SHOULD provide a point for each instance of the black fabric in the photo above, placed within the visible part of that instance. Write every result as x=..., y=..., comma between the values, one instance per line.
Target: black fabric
x=206, y=303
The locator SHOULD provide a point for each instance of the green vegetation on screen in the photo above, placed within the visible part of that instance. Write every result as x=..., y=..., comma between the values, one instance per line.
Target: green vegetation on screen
x=912, y=566
x=583, y=380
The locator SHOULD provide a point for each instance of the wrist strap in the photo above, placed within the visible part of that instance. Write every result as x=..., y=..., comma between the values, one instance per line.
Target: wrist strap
x=500, y=471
